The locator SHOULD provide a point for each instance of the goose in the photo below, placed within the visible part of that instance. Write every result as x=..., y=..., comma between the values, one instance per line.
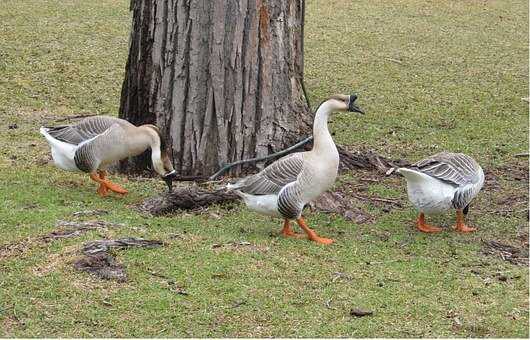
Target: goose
x=442, y=182
x=284, y=187
x=94, y=143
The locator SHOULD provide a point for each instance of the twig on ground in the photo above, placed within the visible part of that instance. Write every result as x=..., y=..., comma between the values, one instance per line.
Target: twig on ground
x=377, y=199
x=397, y=61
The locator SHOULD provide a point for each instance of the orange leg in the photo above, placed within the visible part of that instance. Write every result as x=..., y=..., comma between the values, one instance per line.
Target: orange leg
x=108, y=184
x=287, y=231
x=311, y=234
x=422, y=226
x=461, y=225
x=102, y=190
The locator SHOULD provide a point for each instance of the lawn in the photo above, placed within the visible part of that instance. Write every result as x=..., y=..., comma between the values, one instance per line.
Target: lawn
x=432, y=76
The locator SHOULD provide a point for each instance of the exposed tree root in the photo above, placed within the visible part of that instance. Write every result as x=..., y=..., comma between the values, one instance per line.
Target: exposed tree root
x=185, y=198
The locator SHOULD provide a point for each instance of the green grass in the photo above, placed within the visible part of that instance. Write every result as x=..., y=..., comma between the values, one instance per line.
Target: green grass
x=461, y=71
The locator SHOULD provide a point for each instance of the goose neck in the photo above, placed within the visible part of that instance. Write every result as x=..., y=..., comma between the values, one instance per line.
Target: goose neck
x=322, y=137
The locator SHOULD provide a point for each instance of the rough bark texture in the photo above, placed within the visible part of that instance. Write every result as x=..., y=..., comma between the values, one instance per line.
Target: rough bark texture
x=222, y=79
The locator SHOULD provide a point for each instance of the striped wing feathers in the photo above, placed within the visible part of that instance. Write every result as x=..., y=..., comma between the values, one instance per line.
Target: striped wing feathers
x=84, y=130
x=455, y=168
x=274, y=177
x=92, y=151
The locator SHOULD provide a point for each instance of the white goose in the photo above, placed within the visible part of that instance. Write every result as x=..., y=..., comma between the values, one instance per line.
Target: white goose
x=284, y=187
x=442, y=182
x=94, y=143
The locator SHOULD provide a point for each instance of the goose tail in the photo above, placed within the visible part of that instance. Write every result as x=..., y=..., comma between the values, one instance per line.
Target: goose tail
x=62, y=153
x=44, y=131
x=413, y=175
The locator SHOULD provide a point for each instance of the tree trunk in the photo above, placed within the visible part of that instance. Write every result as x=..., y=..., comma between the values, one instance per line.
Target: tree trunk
x=222, y=79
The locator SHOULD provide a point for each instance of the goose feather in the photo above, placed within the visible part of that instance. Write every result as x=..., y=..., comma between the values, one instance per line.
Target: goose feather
x=442, y=181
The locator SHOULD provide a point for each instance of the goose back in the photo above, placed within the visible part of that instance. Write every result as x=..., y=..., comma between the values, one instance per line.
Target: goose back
x=456, y=168
x=84, y=130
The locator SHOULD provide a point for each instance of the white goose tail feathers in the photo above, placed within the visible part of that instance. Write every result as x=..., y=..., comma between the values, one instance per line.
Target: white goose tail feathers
x=413, y=175
x=44, y=131
x=62, y=153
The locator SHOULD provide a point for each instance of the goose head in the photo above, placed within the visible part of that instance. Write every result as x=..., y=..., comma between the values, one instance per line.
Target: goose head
x=161, y=162
x=169, y=173
x=344, y=103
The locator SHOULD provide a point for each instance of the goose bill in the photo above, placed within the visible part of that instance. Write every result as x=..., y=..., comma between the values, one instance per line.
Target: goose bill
x=169, y=180
x=352, y=107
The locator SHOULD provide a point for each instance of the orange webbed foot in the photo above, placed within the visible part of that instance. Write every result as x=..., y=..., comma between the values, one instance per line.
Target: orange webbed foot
x=322, y=240
x=116, y=188
x=424, y=227
x=311, y=233
x=102, y=190
x=461, y=226
x=288, y=232
x=105, y=185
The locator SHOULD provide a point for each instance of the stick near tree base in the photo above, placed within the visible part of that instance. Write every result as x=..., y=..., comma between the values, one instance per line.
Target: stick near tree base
x=188, y=198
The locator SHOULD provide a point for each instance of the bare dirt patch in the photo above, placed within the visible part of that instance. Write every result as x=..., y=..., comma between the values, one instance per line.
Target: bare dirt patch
x=514, y=254
x=98, y=260
x=103, y=266
x=55, y=261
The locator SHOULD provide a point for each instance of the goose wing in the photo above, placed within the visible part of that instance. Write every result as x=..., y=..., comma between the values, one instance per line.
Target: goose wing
x=106, y=146
x=274, y=177
x=85, y=130
x=454, y=168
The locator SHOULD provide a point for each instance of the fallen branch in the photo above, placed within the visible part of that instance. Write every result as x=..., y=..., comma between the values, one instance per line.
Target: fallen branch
x=74, y=229
x=101, y=246
x=194, y=197
x=198, y=179
x=189, y=198
x=377, y=199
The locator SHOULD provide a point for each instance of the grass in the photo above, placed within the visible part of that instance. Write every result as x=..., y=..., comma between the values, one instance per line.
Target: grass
x=432, y=76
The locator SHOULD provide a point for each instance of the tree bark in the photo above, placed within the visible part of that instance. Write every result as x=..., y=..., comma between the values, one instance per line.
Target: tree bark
x=222, y=79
